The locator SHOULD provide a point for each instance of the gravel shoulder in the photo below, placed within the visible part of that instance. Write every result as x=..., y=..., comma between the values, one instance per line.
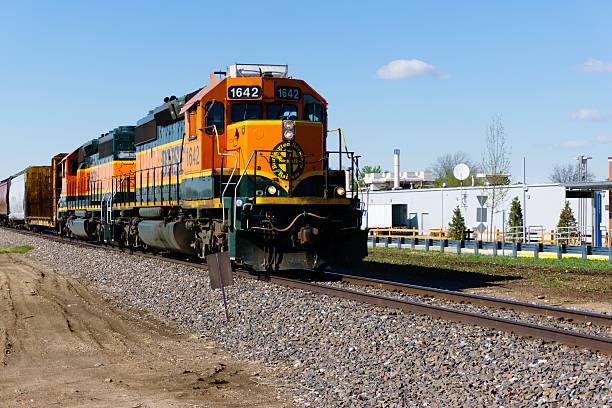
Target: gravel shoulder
x=63, y=345
x=329, y=352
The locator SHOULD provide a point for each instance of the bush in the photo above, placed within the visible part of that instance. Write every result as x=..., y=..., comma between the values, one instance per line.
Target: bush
x=567, y=226
x=515, y=220
x=456, y=228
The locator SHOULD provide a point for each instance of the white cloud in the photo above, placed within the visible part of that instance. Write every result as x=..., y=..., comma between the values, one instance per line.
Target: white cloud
x=407, y=68
x=591, y=115
x=595, y=65
x=604, y=139
x=574, y=144
x=570, y=144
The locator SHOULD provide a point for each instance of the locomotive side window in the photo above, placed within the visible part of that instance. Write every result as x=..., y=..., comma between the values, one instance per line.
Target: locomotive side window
x=282, y=111
x=313, y=110
x=191, y=120
x=73, y=166
x=246, y=111
x=215, y=116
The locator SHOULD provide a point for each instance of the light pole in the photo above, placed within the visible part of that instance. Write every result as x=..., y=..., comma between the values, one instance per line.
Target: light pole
x=442, y=212
x=582, y=178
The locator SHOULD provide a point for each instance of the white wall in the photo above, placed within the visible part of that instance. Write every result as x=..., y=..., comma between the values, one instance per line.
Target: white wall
x=543, y=205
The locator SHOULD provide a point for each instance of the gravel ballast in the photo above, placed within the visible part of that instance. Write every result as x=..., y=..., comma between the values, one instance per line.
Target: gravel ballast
x=540, y=320
x=332, y=352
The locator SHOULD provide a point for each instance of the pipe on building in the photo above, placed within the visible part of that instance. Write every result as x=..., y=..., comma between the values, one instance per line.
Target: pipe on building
x=396, y=169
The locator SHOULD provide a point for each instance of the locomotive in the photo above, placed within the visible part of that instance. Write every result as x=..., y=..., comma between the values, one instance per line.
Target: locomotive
x=240, y=165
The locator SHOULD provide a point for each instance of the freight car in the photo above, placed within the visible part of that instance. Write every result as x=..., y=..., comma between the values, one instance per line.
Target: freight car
x=28, y=199
x=4, y=197
x=242, y=164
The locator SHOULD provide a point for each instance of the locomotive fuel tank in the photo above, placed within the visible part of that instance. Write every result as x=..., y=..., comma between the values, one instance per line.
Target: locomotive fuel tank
x=172, y=236
x=80, y=227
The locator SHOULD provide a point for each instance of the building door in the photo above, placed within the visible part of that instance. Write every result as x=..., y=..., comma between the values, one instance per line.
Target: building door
x=424, y=217
x=399, y=215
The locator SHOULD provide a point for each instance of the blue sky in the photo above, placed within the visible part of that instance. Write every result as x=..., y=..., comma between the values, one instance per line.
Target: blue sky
x=72, y=70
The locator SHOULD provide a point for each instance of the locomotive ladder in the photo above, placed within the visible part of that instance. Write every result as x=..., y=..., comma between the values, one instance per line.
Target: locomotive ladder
x=229, y=181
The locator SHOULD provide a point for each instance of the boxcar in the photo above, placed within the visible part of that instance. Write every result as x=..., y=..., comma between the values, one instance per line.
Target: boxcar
x=4, y=208
x=31, y=197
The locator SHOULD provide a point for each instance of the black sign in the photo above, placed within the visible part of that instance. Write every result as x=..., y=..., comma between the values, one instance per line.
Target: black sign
x=244, y=92
x=287, y=92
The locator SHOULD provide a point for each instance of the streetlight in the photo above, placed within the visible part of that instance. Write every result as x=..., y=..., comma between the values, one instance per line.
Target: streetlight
x=582, y=178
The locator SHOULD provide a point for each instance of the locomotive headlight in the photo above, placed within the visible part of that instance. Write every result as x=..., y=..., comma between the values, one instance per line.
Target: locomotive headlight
x=288, y=135
x=340, y=191
x=271, y=190
x=288, y=130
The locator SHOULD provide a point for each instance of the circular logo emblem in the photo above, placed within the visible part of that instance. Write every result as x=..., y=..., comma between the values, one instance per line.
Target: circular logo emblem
x=282, y=155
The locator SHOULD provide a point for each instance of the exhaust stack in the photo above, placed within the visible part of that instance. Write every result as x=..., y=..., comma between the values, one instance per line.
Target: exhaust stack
x=396, y=169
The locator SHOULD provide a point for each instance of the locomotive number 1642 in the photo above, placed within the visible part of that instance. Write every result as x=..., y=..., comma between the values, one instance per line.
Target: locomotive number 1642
x=244, y=92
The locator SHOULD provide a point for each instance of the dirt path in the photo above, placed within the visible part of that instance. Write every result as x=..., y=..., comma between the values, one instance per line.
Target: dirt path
x=63, y=345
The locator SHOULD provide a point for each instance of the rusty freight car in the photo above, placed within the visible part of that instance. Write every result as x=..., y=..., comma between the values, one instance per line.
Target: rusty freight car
x=33, y=194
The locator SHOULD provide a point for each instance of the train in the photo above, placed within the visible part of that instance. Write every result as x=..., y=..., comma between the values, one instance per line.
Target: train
x=243, y=164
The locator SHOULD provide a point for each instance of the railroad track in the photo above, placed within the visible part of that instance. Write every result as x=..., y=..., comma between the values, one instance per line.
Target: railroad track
x=524, y=329
x=461, y=297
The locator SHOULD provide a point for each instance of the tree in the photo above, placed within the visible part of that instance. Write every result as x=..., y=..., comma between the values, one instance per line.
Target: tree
x=568, y=173
x=443, y=167
x=566, y=227
x=456, y=228
x=496, y=165
x=365, y=170
x=515, y=220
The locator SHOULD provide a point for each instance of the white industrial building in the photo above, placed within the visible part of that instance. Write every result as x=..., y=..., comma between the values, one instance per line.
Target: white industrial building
x=432, y=208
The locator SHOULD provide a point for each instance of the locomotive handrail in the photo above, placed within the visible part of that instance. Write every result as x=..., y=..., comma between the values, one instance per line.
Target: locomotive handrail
x=231, y=175
x=246, y=167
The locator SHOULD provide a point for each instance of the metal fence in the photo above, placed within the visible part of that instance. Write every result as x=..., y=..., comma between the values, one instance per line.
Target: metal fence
x=532, y=234
x=511, y=248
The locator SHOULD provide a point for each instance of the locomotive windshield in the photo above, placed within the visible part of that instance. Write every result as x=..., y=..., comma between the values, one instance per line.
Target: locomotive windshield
x=246, y=111
x=313, y=110
x=282, y=111
x=214, y=117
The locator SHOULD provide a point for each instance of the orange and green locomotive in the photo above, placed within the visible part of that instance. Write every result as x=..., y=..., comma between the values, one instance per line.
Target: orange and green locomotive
x=242, y=165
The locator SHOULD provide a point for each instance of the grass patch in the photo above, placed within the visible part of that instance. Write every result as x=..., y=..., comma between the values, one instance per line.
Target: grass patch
x=569, y=277
x=393, y=255
x=22, y=249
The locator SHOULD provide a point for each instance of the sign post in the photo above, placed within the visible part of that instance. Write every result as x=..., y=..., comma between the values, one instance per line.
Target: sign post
x=220, y=273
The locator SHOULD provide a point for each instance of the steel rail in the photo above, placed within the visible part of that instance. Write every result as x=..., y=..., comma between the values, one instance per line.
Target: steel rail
x=499, y=303
x=568, y=337
x=572, y=338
